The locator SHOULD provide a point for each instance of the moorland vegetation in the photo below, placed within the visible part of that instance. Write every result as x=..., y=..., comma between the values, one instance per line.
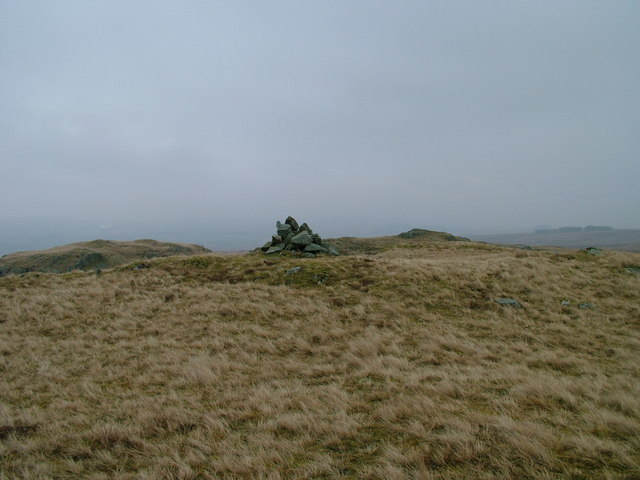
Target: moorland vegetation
x=391, y=361
x=94, y=255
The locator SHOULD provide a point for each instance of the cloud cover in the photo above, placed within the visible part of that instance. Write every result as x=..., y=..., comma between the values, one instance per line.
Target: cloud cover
x=471, y=115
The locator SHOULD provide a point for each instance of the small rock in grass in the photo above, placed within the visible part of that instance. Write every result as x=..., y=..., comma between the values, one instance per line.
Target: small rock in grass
x=509, y=302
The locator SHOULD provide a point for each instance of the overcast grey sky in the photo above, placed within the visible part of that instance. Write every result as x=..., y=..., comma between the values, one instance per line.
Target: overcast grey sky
x=467, y=114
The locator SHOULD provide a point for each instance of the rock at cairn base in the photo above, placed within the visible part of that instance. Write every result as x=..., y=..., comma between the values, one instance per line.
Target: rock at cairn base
x=315, y=248
x=297, y=238
x=276, y=248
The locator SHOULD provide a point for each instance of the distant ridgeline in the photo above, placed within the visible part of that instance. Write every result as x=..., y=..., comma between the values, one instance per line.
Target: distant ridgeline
x=419, y=232
x=94, y=255
x=588, y=228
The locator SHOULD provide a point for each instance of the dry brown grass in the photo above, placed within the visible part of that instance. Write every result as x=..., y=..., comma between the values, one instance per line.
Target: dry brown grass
x=391, y=366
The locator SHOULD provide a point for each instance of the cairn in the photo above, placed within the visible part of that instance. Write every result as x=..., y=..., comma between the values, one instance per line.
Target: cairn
x=297, y=238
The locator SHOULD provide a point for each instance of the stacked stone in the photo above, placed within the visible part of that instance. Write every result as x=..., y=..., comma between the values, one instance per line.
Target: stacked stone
x=300, y=238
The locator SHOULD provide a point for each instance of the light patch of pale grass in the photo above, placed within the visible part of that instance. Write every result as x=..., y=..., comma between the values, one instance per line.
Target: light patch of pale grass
x=400, y=365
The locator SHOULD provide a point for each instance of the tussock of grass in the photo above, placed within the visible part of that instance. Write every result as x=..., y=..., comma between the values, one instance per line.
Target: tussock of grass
x=388, y=366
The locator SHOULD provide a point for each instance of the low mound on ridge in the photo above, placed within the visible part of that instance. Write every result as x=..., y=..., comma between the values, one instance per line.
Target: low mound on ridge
x=411, y=239
x=92, y=255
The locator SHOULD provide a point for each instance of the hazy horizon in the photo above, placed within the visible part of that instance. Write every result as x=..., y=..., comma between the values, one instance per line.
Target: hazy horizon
x=354, y=117
x=33, y=233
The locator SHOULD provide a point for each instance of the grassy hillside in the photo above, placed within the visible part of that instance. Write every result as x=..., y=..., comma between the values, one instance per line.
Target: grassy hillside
x=411, y=239
x=91, y=256
x=393, y=365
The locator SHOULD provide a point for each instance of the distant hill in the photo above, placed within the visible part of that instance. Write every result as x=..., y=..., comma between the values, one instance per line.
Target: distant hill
x=412, y=238
x=22, y=234
x=92, y=255
x=622, y=240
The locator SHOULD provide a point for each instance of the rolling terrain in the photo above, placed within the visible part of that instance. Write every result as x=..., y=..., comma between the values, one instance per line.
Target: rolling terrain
x=97, y=254
x=392, y=362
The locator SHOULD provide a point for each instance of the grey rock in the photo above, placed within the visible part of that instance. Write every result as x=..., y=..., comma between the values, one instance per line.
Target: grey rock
x=332, y=250
x=565, y=303
x=266, y=246
x=293, y=271
x=585, y=306
x=292, y=223
x=304, y=226
x=302, y=239
x=509, y=302
x=316, y=239
x=592, y=251
x=288, y=238
x=634, y=270
x=276, y=239
x=283, y=229
x=309, y=255
x=315, y=248
x=276, y=248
